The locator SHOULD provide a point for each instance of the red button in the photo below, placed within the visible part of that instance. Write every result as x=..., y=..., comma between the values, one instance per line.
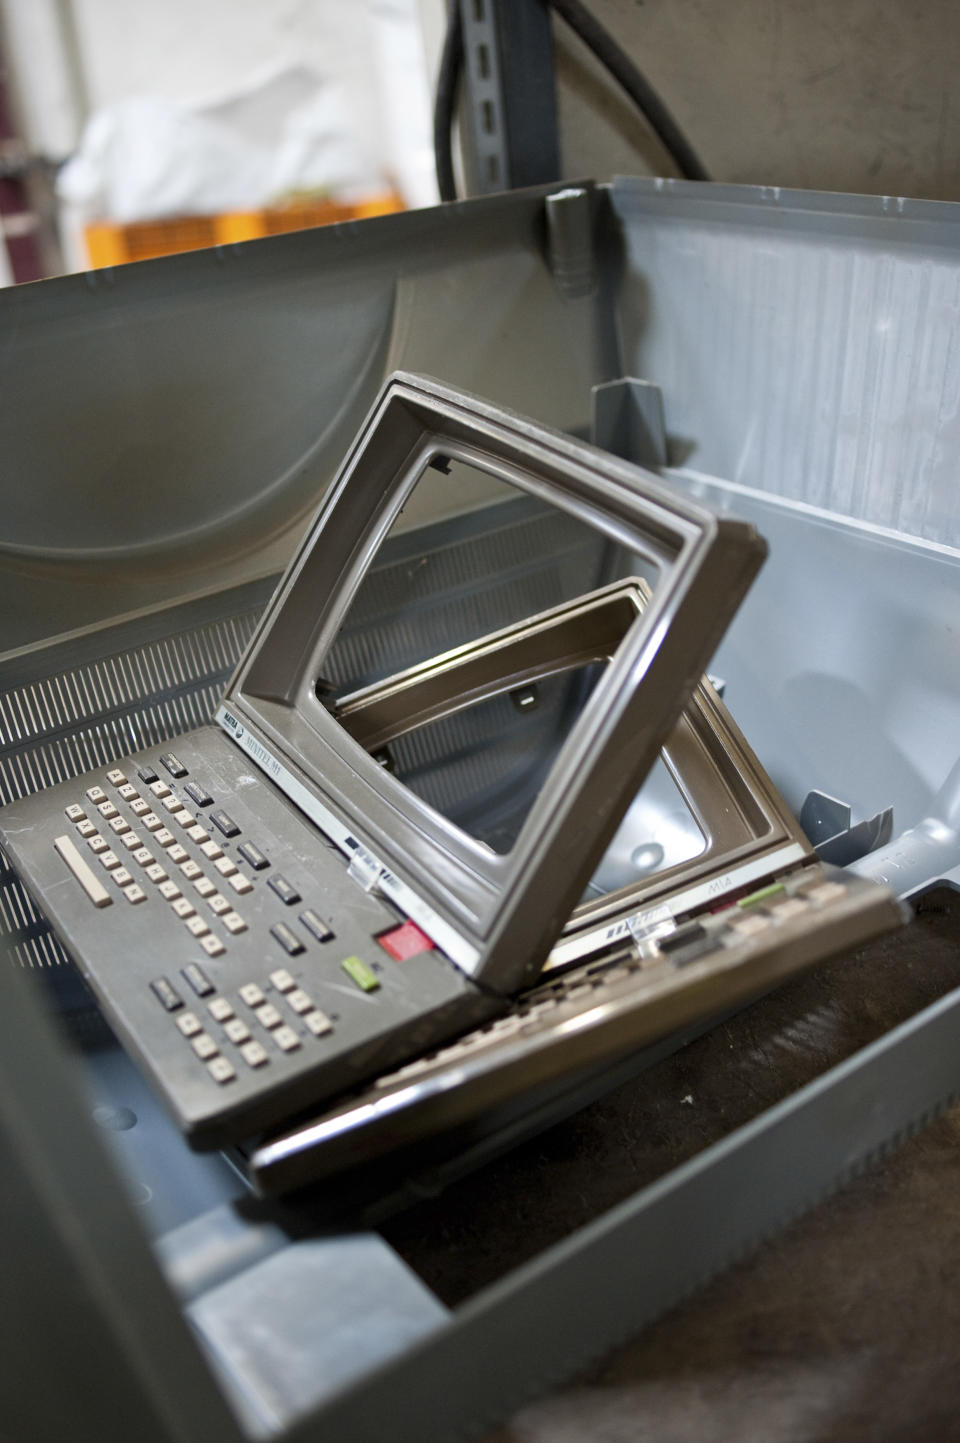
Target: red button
x=405, y=941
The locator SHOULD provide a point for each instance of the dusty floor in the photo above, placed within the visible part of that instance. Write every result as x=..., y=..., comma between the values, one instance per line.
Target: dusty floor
x=846, y=1326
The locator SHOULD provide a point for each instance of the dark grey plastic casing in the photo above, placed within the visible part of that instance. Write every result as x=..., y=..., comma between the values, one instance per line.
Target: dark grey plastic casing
x=496, y=916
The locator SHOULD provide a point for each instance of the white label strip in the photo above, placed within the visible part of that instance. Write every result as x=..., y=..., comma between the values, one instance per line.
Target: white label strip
x=363, y=864
x=584, y=943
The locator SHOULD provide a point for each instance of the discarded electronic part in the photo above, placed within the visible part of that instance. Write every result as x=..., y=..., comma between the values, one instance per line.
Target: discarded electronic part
x=249, y=990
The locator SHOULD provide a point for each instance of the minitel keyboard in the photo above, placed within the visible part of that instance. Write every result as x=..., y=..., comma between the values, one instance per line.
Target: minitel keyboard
x=423, y=772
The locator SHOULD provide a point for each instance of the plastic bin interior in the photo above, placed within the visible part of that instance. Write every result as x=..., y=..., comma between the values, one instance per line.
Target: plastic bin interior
x=168, y=427
x=805, y=346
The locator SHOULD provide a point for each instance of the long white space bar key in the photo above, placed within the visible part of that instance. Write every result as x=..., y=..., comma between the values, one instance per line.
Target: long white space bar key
x=88, y=880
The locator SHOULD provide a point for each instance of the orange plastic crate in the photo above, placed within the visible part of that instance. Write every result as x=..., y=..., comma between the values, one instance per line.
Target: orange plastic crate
x=115, y=245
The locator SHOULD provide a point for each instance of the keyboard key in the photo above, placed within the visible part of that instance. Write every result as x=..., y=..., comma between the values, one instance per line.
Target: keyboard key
x=823, y=893
x=132, y=842
x=358, y=970
x=197, y=978
x=225, y=866
x=122, y=877
x=285, y=890
x=163, y=838
x=318, y=1022
x=220, y=1009
x=134, y=894
x=237, y=1030
x=173, y=765
x=211, y=945
x=224, y=823
x=191, y=869
x=189, y=1024
x=219, y=904
x=282, y=980
x=96, y=795
x=144, y=856
x=253, y=855
x=288, y=940
x=139, y=807
x=107, y=810
x=205, y=887
x=146, y=773
x=152, y=822
x=241, y=884
x=213, y=850
x=169, y=891
x=197, y=927
x=156, y=873
x=109, y=859
x=127, y=791
x=300, y=1001
x=160, y=790
x=268, y=1016
x=74, y=813
x=252, y=995
x=681, y=937
x=198, y=794
x=183, y=907
x=119, y=825
x=254, y=1054
x=316, y=926
x=168, y=996
x=198, y=833
x=86, y=829
x=405, y=941
x=116, y=777
x=222, y=1070
x=177, y=854
x=234, y=922
x=286, y=1039
x=204, y=1046
x=186, y=819
x=98, y=844
x=172, y=804
x=91, y=884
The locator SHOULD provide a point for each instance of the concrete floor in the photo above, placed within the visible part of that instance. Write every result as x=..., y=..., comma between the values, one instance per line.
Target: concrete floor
x=846, y=1326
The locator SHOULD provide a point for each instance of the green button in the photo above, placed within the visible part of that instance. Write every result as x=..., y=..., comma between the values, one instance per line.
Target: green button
x=755, y=898
x=361, y=974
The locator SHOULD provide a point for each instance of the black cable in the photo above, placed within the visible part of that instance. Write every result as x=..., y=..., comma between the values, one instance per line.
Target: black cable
x=451, y=63
x=598, y=39
x=641, y=92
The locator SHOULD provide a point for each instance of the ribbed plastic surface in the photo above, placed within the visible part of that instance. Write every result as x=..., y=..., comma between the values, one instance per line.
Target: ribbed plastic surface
x=806, y=344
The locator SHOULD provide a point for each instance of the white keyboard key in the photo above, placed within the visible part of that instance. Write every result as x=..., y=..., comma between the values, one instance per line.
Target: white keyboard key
x=222, y=1070
x=318, y=1022
x=83, y=873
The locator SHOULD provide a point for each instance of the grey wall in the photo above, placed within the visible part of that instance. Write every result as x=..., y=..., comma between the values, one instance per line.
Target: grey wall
x=853, y=95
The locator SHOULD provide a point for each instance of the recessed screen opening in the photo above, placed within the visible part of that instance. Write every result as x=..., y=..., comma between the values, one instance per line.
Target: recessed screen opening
x=467, y=566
